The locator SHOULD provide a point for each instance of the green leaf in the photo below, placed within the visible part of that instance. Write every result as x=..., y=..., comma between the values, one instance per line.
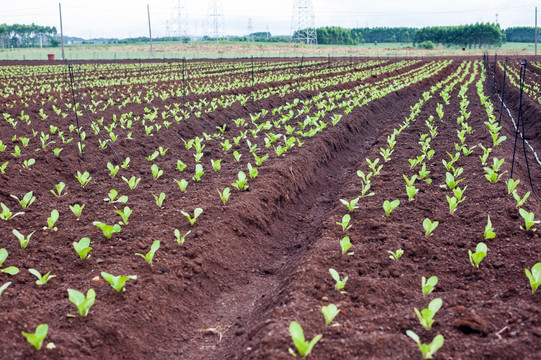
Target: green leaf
x=329, y=313
x=36, y=339
x=117, y=282
x=4, y=287
x=534, y=276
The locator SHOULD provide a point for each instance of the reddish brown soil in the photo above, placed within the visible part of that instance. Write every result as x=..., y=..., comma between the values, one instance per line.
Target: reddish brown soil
x=249, y=268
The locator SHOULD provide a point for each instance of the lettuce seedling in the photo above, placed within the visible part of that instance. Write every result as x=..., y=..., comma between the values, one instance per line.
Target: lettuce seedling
x=453, y=203
x=411, y=191
x=36, y=339
x=480, y=253
x=42, y=280
x=511, y=185
x=196, y=213
x=117, y=282
x=83, y=178
x=6, y=214
x=149, y=256
x=427, y=286
x=125, y=215
x=181, y=166
x=113, y=170
x=3, y=167
x=198, y=172
x=4, y=287
x=82, y=247
x=77, y=210
x=132, y=182
x=534, y=276
x=395, y=255
x=26, y=201
x=156, y=172
x=51, y=220
x=297, y=334
x=459, y=194
x=351, y=205
x=450, y=181
x=23, y=240
x=389, y=206
x=111, y=199
x=159, y=200
x=410, y=182
x=252, y=171
x=423, y=173
x=345, y=244
x=429, y=226
x=236, y=155
x=224, y=195
x=427, y=349
x=59, y=188
x=365, y=178
x=182, y=184
x=386, y=153
x=528, y=219
x=486, y=153
x=520, y=202
x=83, y=303
x=374, y=166
x=345, y=222
x=340, y=283
x=181, y=239
x=489, y=230
x=426, y=316
x=240, y=184
x=329, y=313
x=11, y=270
x=108, y=230
x=216, y=164
x=259, y=160
x=492, y=175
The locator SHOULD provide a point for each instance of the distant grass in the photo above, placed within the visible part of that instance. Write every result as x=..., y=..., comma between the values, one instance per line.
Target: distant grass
x=164, y=50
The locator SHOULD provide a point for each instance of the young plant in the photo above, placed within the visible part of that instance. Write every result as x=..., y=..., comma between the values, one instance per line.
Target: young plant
x=453, y=203
x=112, y=197
x=83, y=178
x=11, y=270
x=149, y=256
x=429, y=226
x=59, y=188
x=520, y=202
x=36, y=339
x=6, y=214
x=77, y=209
x=156, y=172
x=427, y=349
x=117, y=282
x=534, y=276
x=51, y=220
x=345, y=244
x=216, y=164
x=224, y=195
x=489, y=230
x=196, y=213
x=4, y=287
x=340, y=283
x=83, y=303
x=389, y=206
x=492, y=175
x=182, y=184
x=351, y=205
x=198, y=172
x=374, y=166
x=259, y=160
x=252, y=171
x=528, y=219
x=411, y=191
x=125, y=215
x=181, y=239
x=113, y=170
x=108, y=230
x=42, y=280
x=159, y=199
x=23, y=240
x=329, y=313
x=304, y=348
x=395, y=255
x=26, y=201
x=511, y=185
x=480, y=253
x=427, y=286
x=450, y=181
x=345, y=222
x=426, y=316
x=82, y=247
x=240, y=184
x=132, y=182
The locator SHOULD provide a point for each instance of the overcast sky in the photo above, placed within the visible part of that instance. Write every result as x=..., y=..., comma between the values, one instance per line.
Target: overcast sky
x=128, y=18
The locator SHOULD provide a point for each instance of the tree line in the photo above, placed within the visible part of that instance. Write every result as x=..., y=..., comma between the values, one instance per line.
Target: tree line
x=20, y=35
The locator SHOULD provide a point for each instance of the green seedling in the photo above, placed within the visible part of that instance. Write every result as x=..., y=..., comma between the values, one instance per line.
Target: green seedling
x=112, y=197
x=58, y=188
x=159, y=199
x=153, y=156
x=534, y=276
x=427, y=286
x=83, y=178
x=113, y=170
x=216, y=164
x=486, y=153
x=340, y=283
x=429, y=226
x=181, y=239
x=492, y=175
x=389, y=206
x=520, y=202
x=374, y=166
x=466, y=151
x=423, y=173
x=82, y=247
x=181, y=166
x=132, y=182
x=23, y=240
x=125, y=215
x=453, y=203
x=42, y=280
x=386, y=153
x=252, y=171
x=11, y=270
x=489, y=230
x=428, y=350
x=156, y=172
x=365, y=189
x=329, y=313
x=182, y=184
x=198, y=172
x=528, y=219
x=51, y=220
x=351, y=205
x=77, y=210
x=459, y=194
x=83, y=303
x=27, y=164
x=117, y=282
x=3, y=167
x=196, y=213
x=27, y=199
x=450, y=181
x=497, y=163
x=149, y=256
x=426, y=316
x=411, y=191
x=345, y=222
x=345, y=244
x=480, y=253
x=511, y=185
x=365, y=178
x=4, y=287
x=108, y=230
x=259, y=160
x=224, y=195
x=395, y=255
x=236, y=155
x=240, y=184
x=410, y=182
x=304, y=348
x=36, y=339
x=6, y=214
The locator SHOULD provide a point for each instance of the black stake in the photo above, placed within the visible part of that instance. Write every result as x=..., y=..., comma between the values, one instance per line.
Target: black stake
x=503, y=91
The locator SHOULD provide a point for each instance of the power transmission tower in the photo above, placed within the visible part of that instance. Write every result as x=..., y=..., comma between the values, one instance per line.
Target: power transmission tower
x=215, y=20
x=302, y=22
x=179, y=21
x=250, y=35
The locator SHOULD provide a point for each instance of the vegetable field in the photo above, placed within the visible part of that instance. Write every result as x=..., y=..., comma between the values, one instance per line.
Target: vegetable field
x=353, y=208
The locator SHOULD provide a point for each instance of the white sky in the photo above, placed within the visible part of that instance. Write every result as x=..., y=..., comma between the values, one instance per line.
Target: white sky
x=125, y=18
